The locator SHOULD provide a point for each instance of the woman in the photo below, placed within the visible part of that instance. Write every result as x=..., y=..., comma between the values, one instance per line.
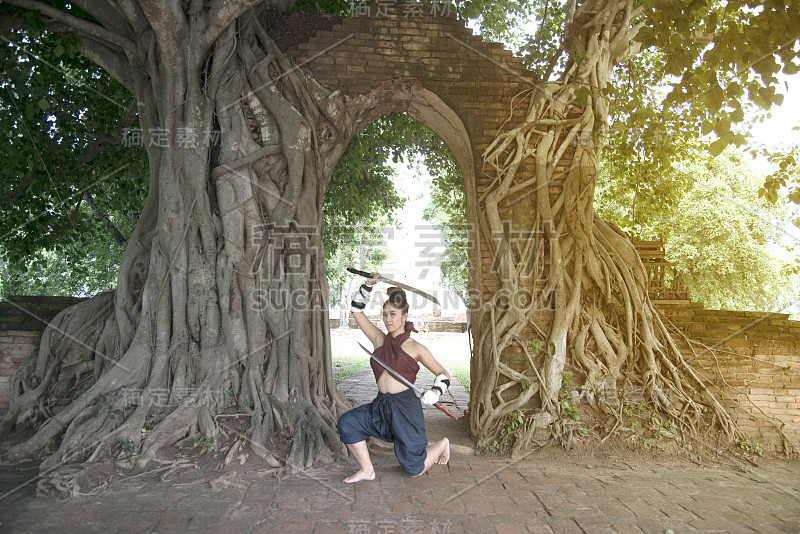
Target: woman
x=396, y=413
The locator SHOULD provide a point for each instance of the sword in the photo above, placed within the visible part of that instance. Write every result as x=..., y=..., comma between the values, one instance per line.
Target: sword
x=392, y=282
x=404, y=381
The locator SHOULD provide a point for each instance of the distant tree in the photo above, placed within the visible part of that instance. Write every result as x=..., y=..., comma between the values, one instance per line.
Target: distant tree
x=360, y=202
x=366, y=252
x=720, y=236
x=719, y=232
x=447, y=213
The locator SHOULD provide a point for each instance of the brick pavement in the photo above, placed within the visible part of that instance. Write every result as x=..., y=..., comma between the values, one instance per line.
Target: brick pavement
x=472, y=494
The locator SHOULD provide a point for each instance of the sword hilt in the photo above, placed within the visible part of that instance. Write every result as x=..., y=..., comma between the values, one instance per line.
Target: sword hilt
x=359, y=273
x=445, y=410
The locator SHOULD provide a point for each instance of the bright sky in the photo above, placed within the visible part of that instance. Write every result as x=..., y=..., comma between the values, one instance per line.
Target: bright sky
x=782, y=130
x=778, y=129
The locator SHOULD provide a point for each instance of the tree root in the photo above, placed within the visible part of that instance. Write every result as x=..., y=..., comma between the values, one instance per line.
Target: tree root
x=589, y=305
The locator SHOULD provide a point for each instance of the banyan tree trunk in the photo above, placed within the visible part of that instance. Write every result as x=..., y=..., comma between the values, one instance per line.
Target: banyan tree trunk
x=586, y=305
x=222, y=299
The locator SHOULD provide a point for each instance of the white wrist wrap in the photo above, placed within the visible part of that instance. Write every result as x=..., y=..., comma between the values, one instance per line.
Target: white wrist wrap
x=360, y=299
x=441, y=383
x=430, y=397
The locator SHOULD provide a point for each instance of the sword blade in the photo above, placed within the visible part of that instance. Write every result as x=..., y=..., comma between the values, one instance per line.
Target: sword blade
x=392, y=282
x=394, y=373
x=401, y=285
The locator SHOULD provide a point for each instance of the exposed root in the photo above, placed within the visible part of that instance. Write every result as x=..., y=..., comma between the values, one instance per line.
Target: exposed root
x=568, y=280
x=71, y=481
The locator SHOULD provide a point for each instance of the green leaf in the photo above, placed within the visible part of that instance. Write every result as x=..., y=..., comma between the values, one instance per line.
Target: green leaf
x=582, y=95
x=714, y=98
x=717, y=147
x=645, y=36
x=733, y=89
x=472, y=10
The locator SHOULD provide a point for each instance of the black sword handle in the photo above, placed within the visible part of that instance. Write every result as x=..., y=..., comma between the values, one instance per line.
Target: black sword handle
x=360, y=273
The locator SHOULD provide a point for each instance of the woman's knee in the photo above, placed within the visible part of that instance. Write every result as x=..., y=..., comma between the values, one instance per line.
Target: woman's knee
x=350, y=422
x=344, y=422
x=414, y=471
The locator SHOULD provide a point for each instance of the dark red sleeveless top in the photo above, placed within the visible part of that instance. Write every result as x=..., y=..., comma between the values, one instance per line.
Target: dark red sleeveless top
x=395, y=357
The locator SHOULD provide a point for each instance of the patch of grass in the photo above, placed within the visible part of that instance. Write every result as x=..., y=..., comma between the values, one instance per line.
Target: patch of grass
x=346, y=365
x=462, y=375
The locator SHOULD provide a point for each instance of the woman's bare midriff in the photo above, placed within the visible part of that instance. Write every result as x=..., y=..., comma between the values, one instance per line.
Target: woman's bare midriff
x=389, y=384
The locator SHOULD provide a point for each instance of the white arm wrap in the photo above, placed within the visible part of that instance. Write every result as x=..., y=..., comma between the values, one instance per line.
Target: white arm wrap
x=441, y=383
x=360, y=299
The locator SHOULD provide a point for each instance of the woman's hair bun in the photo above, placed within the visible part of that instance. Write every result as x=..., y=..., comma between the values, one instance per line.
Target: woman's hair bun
x=397, y=298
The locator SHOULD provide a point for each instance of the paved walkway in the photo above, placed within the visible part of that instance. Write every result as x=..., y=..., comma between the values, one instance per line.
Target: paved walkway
x=472, y=494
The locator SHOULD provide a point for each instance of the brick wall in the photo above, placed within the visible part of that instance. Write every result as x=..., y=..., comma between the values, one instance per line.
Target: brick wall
x=22, y=321
x=757, y=365
x=429, y=324
x=754, y=369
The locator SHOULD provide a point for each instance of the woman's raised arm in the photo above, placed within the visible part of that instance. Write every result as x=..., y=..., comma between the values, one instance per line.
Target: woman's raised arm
x=360, y=300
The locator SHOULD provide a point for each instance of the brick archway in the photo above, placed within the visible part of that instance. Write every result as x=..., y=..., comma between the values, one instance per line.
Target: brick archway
x=432, y=67
x=429, y=65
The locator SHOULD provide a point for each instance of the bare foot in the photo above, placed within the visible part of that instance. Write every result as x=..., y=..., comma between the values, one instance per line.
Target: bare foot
x=445, y=456
x=359, y=476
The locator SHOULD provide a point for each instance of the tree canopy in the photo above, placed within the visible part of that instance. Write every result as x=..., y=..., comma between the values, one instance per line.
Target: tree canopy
x=722, y=237
x=706, y=71
x=72, y=189
x=64, y=141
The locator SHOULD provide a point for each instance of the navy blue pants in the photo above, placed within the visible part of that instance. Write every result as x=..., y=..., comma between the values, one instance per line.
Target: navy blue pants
x=393, y=417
